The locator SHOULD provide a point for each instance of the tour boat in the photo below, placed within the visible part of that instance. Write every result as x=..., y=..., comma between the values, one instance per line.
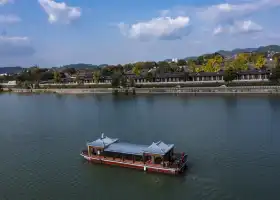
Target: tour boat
x=157, y=157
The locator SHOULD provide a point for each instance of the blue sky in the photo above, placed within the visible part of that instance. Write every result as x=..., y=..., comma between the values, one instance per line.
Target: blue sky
x=57, y=32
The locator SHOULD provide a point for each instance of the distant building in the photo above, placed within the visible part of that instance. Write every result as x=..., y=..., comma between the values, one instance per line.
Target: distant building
x=175, y=60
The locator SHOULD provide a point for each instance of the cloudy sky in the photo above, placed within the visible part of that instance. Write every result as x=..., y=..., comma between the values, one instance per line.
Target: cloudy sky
x=57, y=32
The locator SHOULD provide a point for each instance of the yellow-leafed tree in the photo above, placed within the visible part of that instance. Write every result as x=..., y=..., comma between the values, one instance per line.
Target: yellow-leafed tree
x=260, y=62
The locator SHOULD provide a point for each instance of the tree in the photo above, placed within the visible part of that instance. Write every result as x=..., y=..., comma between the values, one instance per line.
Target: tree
x=56, y=77
x=181, y=62
x=131, y=82
x=228, y=65
x=149, y=65
x=275, y=75
x=107, y=71
x=149, y=77
x=213, y=65
x=260, y=62
x=244, y=57
x=78, y=79
x=173, y=67
x=136, y=69
x=191, y=66
x=123, y=81
x=229, y=75
x=218, y=59
x=116, y=80
x=164, y=67
x=128, y=67
x=200, y=60
x=240, y=64
x=69, y=70
x=96, y=76
x=45, y=76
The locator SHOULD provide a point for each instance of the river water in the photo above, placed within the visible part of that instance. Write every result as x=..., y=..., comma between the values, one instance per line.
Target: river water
x=233, y=145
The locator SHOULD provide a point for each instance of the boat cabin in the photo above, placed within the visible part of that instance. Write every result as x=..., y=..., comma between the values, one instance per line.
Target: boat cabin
x=158, y=153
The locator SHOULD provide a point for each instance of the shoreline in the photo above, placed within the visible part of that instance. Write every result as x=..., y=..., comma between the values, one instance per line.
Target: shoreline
x=246, y=90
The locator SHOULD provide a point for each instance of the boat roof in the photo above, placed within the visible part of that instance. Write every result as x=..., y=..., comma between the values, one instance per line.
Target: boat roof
x=102, y=142
x=126, y=148
x=113, y=145
x=159, y=148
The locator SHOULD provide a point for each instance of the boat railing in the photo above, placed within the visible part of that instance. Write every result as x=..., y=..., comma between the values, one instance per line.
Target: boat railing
x=178, y=160
x=84, y=152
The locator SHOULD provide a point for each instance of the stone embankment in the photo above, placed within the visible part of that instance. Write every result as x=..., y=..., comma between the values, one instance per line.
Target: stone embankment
x=183, y=90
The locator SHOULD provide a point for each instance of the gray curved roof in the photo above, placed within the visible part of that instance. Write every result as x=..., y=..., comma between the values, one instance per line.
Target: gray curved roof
x=113, y=145
x=159, y=148
x=103, y=141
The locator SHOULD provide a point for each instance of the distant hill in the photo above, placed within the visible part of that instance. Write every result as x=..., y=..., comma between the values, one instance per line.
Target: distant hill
x=80, y=66
x=190, y=58
x=275, y=48
x=10, y=70
x=261, y=49
x=84, y=66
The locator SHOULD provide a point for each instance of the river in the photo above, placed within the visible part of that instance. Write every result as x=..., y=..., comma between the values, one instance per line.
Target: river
x=233, y=145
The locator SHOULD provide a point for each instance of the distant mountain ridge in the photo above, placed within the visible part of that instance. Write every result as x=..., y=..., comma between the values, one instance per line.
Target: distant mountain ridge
x=261, y=49
x=83, y=66
x=10, y=70
x=275, y=48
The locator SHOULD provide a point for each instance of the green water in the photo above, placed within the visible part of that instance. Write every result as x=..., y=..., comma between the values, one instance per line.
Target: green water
x=233, y=146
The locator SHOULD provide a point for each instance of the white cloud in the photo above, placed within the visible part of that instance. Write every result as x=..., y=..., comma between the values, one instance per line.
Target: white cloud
x=165, y=28
x=9, y=19
x=60, y=12
x=3, y=2
x=218, y=30
x=228, y=13
x=238, y=27
x=15, y=46
x=14, y=39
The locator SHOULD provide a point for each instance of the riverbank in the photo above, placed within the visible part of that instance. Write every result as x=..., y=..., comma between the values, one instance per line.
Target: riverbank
x=192, y=90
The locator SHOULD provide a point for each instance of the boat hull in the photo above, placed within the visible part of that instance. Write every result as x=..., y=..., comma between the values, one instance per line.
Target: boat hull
x=139, y=166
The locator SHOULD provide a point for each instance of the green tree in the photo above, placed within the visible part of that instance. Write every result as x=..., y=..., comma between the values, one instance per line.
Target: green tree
x=123, y=81
x=200, y=60
x=131, y=82
x=116, y=80
x=96, y=76
x=56, y=77
x=229, y=75
x=173, y=67
x=128, y=67
x=191, y=66
x=69, y=70
x=149, y=65
x=78, y=79
x=149, y=77
x=164, y=67
x=181, y=62
x=275, y=75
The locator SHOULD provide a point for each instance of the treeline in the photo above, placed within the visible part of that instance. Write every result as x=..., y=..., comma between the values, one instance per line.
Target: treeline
x=205, y=63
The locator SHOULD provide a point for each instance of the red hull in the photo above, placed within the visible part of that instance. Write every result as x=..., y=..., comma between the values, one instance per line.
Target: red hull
x=139, y=166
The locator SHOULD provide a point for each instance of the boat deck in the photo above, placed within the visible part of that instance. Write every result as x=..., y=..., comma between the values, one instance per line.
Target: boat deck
x=172, y=169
